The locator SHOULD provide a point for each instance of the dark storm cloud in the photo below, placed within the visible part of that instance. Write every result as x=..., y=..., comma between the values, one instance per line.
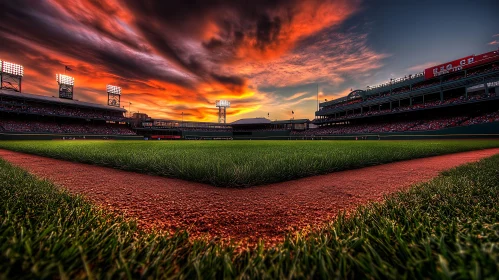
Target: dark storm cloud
x=165, y=25
x=259, y=20
x=171, y=49
x=267, y=30
x=180, y=11
x=213, y=44
x=231, y=80
x=45, y=27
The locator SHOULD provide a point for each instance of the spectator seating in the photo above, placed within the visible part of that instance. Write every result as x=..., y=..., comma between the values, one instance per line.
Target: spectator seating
x=431, y=104
x=54, y=110
x=402, y=126
x=63, y=128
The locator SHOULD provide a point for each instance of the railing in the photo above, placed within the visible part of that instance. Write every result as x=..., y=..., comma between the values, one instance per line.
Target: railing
x=469, y=81
x=391, y=112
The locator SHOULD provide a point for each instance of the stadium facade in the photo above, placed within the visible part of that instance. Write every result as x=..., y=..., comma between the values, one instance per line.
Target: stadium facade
x=456, y=99
x=30, y=116
x=460, y=96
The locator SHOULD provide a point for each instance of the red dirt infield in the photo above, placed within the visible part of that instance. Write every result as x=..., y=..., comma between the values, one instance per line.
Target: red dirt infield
x=262, y=212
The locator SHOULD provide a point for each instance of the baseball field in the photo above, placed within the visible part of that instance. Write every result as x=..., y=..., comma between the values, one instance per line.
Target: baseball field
x=242, y=163
x=444, y=228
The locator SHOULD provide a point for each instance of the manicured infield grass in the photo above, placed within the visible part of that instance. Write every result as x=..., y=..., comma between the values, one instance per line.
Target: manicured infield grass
x=241, y=163
x=447, y=228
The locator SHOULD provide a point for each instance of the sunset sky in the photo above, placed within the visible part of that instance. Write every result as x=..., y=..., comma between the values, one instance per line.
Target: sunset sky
x=263, y=56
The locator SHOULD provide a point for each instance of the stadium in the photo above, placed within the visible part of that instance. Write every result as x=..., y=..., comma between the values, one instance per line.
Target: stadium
x=394, y=180
x=457, y=99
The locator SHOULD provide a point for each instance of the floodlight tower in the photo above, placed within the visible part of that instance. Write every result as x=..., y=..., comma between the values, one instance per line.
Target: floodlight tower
x=222, y=110
x=66, y=84
x=113, y=95
x=11, y=75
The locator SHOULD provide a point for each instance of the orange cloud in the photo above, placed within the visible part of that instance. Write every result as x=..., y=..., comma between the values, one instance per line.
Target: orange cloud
x=305, y=19
x=319, y=62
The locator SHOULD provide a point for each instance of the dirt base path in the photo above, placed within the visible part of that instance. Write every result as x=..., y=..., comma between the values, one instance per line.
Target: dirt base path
x=242, y=214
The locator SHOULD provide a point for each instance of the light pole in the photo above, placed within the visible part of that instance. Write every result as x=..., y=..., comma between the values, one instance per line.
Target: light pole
x=317, y=97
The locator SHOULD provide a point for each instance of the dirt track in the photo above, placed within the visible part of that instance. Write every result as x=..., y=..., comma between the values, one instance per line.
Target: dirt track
x=242, y=214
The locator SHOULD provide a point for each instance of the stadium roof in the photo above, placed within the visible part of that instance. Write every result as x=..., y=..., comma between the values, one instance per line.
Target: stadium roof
x=185, y=122
x=252, y=121
x=299, y=121
x=60, y=101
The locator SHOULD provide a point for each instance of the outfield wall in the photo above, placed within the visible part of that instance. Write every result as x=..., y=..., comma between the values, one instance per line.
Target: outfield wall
x=49, y=136
x=478, y=131
x=250, y=135
x=208, y=135
x=484, y=131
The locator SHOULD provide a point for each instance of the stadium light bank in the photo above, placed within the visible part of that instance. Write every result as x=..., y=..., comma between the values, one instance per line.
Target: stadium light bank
x=222, y=106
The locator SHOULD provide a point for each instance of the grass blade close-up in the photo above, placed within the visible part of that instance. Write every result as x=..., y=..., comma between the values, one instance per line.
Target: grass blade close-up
x=446, y=228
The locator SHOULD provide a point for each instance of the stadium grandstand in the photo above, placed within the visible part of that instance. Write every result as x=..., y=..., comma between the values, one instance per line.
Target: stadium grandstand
x=458, y=97
x=30, y=116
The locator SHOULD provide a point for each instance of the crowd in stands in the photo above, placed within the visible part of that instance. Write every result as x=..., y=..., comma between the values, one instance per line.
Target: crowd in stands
x=439, y=123
x=401, y=126
x=52, y=127
x=435, y=103
x=494, y=67
x=486, y=118
x=54, y=110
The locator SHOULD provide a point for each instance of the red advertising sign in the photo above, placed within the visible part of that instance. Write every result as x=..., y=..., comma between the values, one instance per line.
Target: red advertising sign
x=461, y=64
x=486, y=57
x=449, y=67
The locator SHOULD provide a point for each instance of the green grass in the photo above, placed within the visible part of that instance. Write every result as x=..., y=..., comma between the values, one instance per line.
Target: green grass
x=448, y=228
x=241, y=163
